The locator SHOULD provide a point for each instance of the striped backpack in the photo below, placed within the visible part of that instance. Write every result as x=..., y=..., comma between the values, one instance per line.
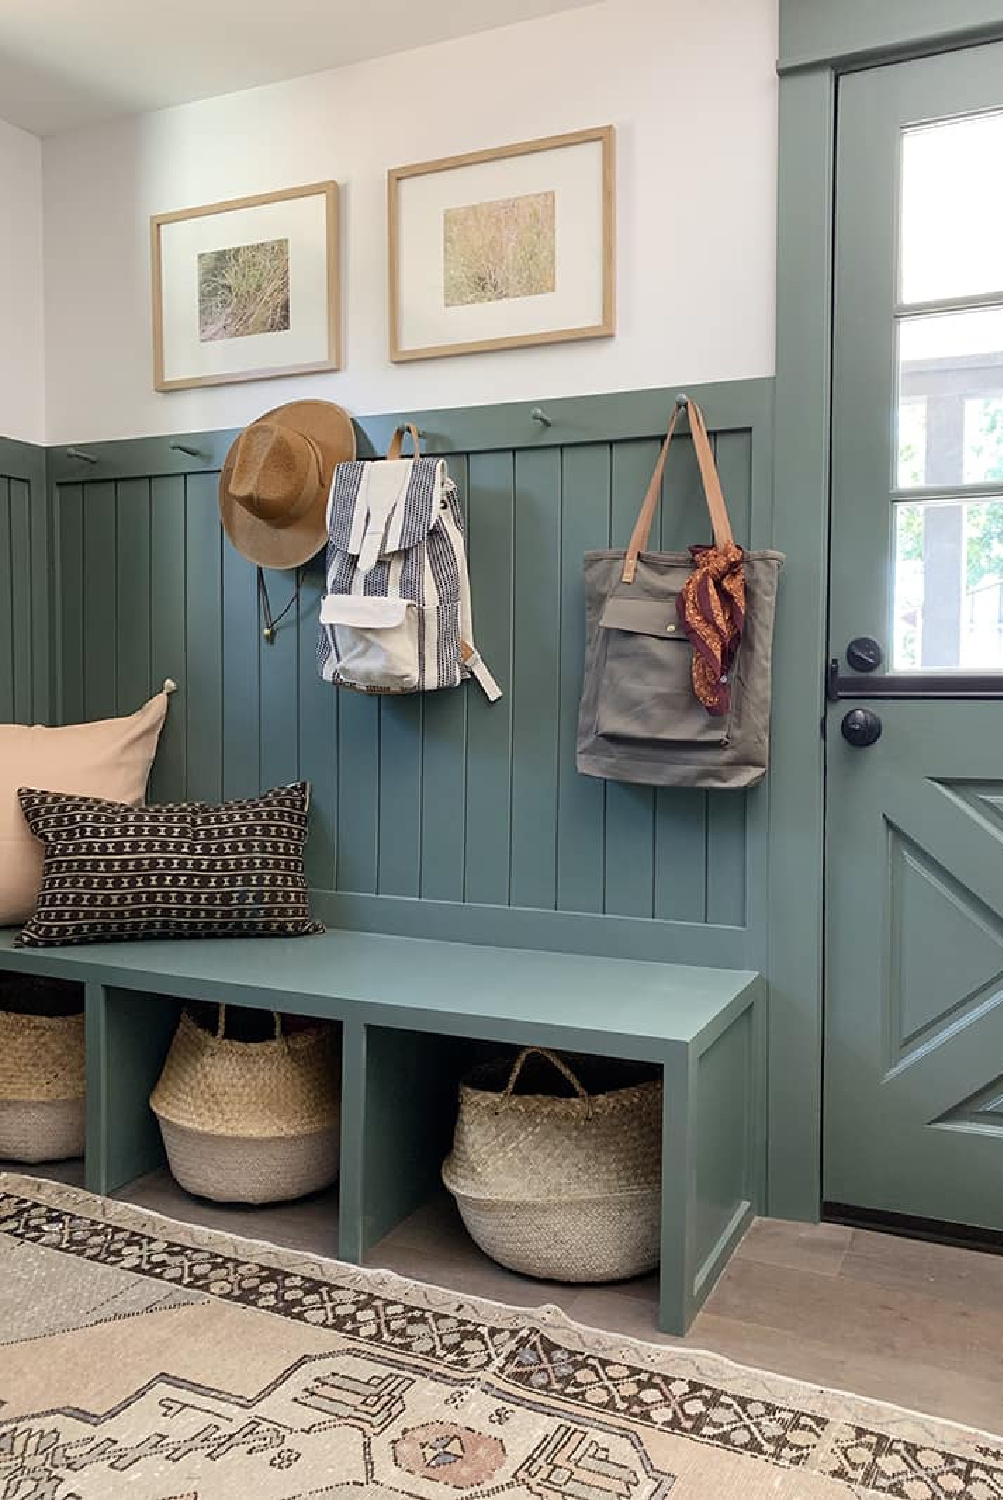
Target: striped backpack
x=396, y=616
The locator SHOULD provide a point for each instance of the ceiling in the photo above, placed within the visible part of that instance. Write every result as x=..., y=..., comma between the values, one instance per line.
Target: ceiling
x=67, y=63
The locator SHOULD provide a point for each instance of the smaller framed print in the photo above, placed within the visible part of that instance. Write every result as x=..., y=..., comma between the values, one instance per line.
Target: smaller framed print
x=246, y=289
x=503, y=248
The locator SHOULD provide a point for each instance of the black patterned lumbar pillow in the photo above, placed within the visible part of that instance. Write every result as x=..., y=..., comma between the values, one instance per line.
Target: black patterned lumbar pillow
x=190, y=869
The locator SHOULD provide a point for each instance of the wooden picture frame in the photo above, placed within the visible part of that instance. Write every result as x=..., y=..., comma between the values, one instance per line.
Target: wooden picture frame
x=322, y=326
x=602, y=325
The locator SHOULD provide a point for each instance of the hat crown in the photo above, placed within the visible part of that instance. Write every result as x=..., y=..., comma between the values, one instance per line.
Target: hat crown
x=276, y=479
x=276, y=472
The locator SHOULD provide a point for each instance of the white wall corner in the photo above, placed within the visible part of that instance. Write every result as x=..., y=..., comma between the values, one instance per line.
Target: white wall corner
x=22, y=315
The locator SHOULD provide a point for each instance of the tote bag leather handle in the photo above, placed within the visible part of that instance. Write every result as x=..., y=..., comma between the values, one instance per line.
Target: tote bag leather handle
x=710, y=479
x=397, y=441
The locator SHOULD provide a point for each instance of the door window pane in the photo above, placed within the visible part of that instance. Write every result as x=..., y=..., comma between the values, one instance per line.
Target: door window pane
x=912, y=444
x=952, y=209
x=983, y=458
x=950, y=399
x=948, y=609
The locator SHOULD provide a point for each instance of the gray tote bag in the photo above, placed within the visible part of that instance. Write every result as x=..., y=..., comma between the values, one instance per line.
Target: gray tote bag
x=640, y=718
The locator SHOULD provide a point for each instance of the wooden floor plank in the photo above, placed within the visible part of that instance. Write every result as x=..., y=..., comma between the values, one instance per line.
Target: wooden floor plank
x=857, y=1318
x=946, y=1272
x=897, y=1378
x=804, y=1247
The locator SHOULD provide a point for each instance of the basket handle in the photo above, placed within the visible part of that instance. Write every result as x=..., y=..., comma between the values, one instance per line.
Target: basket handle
x=557, y=1062
x=221, y=1023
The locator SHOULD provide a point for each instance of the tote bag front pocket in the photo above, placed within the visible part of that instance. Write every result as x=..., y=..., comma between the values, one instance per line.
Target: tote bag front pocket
x=646, y=693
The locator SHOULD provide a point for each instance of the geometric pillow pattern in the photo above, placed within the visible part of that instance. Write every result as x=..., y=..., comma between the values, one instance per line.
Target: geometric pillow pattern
x=118, y=873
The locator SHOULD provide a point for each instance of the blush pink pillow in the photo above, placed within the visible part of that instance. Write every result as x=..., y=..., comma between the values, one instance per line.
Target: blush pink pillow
x=110, y=758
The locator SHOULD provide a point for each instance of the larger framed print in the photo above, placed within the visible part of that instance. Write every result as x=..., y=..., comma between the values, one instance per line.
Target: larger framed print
x=503, y=248
x=246, y=289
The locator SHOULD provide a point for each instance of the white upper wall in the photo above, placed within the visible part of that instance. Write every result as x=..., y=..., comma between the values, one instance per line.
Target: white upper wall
x=22, y=385
x=691, y=90
x=64, y=64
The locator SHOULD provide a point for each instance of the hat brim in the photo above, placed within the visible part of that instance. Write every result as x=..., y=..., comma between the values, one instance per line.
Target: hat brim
x=264, y=543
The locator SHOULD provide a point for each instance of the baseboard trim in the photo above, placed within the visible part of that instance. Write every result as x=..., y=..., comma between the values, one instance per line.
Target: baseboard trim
x=915, y=1227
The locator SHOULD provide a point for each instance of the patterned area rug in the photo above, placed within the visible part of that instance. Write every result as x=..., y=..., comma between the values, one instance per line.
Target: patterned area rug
x=144, y=1358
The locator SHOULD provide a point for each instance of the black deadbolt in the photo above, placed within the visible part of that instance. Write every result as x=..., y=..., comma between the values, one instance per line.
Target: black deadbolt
x=864, y=654
x=860, y=727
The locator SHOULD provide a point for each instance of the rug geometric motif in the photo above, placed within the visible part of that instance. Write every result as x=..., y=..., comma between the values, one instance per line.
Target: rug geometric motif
x=702, y=1413
x=260, y=1448
x=398, y=1390
x=450, y=1454
x=884, y=1465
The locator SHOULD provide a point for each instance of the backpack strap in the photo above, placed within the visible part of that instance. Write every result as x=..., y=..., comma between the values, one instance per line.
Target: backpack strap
x=477, y=667
x=397, y=441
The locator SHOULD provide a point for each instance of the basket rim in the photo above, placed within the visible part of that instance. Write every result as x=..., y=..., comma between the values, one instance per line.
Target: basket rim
x=244, y=1135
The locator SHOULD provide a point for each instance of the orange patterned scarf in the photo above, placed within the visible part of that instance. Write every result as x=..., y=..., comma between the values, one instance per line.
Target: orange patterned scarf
x=711, y=609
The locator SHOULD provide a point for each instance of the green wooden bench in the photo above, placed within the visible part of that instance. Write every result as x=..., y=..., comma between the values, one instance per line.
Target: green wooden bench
x=412, y=1013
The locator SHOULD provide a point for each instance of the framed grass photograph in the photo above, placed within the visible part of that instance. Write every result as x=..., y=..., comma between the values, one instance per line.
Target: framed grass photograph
x=246, y=289
x=503, y=248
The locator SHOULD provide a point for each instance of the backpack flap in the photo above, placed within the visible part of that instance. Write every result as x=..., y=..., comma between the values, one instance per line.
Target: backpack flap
x=362, y=612
x=378, y=509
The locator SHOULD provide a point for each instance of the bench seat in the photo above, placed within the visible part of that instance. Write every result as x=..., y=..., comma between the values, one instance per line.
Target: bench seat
x=412, y=1012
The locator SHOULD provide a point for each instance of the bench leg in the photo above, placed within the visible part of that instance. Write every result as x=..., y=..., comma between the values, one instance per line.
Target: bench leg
x=713, y=1163
x=351, y=1179
x=127, y=1037
x=678, y=1193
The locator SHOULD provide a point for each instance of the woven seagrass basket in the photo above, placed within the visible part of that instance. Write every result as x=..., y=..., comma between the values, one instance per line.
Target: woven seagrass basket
x=564, y=1189
x=41, y=1071
x=250, y=1122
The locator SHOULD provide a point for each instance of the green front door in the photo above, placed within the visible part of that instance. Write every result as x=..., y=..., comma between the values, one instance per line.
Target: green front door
x=914, y=1006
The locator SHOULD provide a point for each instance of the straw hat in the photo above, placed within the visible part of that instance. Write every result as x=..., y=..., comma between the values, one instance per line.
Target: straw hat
x=276, y=479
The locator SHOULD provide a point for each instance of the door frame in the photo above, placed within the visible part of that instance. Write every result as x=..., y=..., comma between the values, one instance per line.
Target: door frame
x=819, y=42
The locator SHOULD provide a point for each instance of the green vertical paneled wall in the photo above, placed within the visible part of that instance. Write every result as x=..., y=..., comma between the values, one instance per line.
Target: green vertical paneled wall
x=442, y=815
x=26, y=658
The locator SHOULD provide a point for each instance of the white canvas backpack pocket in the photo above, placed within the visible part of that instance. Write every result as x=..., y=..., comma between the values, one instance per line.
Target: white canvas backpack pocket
x=374, y=642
